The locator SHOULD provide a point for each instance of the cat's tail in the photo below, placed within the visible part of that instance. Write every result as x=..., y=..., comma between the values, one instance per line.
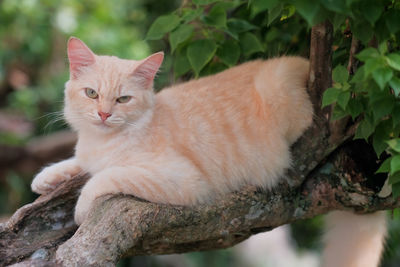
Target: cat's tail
x=354, y=240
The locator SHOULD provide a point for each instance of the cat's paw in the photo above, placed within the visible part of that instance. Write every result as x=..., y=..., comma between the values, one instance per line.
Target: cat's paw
x=82, y=208
x=45, y=181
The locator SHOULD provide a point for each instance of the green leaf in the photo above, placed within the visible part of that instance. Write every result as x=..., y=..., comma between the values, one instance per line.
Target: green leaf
x=395, y=164
x=340, y=74
x=364, y=130
x=395, y=84
x=229, y=52
x=179, y=35
x=337, y=6
x=200, y=53
x=181, y=64
x=161, y=26
x=392, y=20
x=191, y=14
x=382, y=106
x=381, y=135
x=372, y=64
x=338, y=113
x=338, y=20
x=368, y=53
x=382, y=76
x=240, y=25
x=330, y=96
x=393, y=60
x=394, y=178
x=396, y=114
x=343, y=99
x=216, y=17
x=385, y=166
x=395, y=189
x=274, y=13
x=308, y=9
x=394, y=144
x=250, y=44
x=371, y=10
x=354, y=107
x=258, y=6
x=363, y=31
x=203, y=2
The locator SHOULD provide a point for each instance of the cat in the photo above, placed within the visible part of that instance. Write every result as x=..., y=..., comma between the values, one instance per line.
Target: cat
x=188, y=144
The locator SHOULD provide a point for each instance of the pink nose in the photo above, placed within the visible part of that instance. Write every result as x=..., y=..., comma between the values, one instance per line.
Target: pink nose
x=103, y=115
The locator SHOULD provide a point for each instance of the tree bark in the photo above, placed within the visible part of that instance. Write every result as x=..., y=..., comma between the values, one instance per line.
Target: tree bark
x=324, y=177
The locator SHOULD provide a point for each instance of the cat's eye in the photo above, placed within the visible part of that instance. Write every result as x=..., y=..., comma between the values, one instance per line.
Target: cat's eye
x=123, y=99
x=91, y=93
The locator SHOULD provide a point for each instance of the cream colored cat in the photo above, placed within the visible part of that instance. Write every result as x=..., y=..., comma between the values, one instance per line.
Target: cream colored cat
x=185, y=145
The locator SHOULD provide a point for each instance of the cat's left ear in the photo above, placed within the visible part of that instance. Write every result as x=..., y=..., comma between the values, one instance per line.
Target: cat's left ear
x=148, y=68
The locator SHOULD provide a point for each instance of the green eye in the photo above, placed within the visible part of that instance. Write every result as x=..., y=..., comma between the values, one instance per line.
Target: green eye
x=124, y=99
x=91, y=93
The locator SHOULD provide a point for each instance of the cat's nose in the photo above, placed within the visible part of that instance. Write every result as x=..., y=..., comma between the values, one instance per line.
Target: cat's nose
x=103, y=115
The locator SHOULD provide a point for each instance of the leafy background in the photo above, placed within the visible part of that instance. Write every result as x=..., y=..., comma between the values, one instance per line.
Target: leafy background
x=201, y=37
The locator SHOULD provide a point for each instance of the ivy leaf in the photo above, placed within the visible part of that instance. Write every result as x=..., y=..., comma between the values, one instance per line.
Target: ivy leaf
x=392, y=20
x=382, y=106
x=343, y=99
x=395, y=164
x=181, y=64
x=161, y=26
x=371, y=10
x=250, y=44
x=363, y=31
x=382, y=76
x=354, y=107
x=385, y=166
x=330, y=96
x=191, y=14
x=229, y=52
x=368, y=53
x=240, y=25
x=364, y=130
x=394, y=178
x=200, y=53
x=274, y=13
x=394, y=144
x=179, y=35
x=395, y=189
x=381, y=135
x=395, y=85
x=337, y=6
x=216, y=17
x=258, y=6
x=393, y=60
x=203, y=2
x=340, y=74
x=308, y=9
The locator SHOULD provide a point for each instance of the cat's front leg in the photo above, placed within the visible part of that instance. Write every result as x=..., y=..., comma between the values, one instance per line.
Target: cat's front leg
x=150, y=183
x=46, y=180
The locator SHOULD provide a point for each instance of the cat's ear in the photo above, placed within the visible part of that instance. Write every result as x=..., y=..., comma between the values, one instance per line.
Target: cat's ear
x=79, y=55
x=147, y=69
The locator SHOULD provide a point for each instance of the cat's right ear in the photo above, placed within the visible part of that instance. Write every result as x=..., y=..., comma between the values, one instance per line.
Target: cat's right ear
x=79, y=55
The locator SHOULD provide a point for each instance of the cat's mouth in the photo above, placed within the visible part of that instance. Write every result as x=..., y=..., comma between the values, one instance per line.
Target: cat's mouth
x=102, y=124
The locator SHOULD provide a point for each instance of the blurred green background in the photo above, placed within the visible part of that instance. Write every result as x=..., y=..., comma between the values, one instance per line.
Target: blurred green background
x=34, y=68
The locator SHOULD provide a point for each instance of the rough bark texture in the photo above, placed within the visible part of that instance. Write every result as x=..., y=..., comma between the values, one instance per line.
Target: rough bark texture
x=324, y=177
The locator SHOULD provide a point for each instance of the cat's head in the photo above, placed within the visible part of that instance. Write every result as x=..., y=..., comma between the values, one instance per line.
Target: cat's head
x=106, y=93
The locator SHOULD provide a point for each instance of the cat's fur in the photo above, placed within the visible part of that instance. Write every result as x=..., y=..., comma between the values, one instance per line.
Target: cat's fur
x=187, y=144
